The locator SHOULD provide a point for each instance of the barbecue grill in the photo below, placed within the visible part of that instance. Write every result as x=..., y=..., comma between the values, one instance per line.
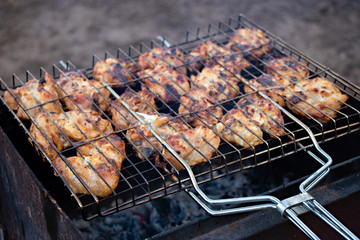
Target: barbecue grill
x=142, y=180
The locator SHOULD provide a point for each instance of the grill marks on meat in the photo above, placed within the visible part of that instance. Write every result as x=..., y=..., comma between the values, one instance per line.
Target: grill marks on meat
x=274, y=86
x=262, y=112
x=171, y=57
x=199, y=101
x=217, y=83
x=195, y=146
x=251, y=41
x=287, y=67
x=97, y=164
x=165, y=82
x=80, y=92
x=210, y=53
x=142, y=101
x=144, y=142
x=237, y=128
x=116, y=72
x=317, y=98
x=32, y=94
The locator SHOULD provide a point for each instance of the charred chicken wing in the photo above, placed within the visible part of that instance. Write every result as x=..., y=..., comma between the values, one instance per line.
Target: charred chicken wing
x=316, y=97
x=198, y=101
x=32, y=94
x=142, y=101
x=167, y=83
x=262, y=112
x=193, y=145
x=239, y=129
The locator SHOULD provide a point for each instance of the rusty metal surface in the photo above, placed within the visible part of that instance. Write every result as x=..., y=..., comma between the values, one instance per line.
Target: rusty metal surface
x=28, y=212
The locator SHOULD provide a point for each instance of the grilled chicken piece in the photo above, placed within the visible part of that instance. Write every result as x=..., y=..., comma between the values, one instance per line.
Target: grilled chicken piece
x=210, y=53
x=274, y=86
x=287, y=67
x=172, y=57
x=142, y=101
x=250, y=41
x=239, y=129
x=145, y=144
x=116, y=72
x=83, y=93
x=76, y=125
x=48, y=127
x=262, y=112
x=217, y=83
x=316, y=97
x=34, y=93
x=198, y=101
x=167, y=83
x=79, y=126
x=105, y=164
x=193, y=145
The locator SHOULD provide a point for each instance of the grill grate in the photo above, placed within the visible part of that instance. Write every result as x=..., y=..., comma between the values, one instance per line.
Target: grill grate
x=141, y=180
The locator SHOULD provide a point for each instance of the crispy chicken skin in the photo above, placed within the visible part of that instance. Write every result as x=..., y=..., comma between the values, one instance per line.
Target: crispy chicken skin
x=84, y=93
x=106, y=165
x=32, y=94
x=165, y=82
x=70, y=123
x=274, y=86
x=115, y=72
x=142, y=101
x=262, y=112
x=193, y=145
x=250, y=41
x=239, y=129
x=198, y=101
x=319, y=93
x=217, y=83
x=287, y=67
x=80, y=126
x=172, y=57
x=210, y=53
x=145, y=144
x=49, y=128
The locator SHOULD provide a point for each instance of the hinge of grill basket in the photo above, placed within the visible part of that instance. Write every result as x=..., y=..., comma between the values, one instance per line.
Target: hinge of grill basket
x=294, y=203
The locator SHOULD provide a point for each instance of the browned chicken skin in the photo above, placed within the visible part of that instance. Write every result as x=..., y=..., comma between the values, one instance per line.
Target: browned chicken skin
x=210, y=53
x=142, y=101
x=250, y=41
x=198, y=101
x=115, y=72
x=167, y=83
x=319, y=93
x=193, y=145
x=172, y=57
x=262, y=112
x=32, y=94
x=217, y=83
x=77, y=126
x=288, y=68
x=145, y=144
x=105, y=156
x=239, y=129
x=83, y=93
x=274, y=86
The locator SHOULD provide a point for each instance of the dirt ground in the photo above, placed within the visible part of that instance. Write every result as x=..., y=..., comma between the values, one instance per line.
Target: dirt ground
x=38, y=33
